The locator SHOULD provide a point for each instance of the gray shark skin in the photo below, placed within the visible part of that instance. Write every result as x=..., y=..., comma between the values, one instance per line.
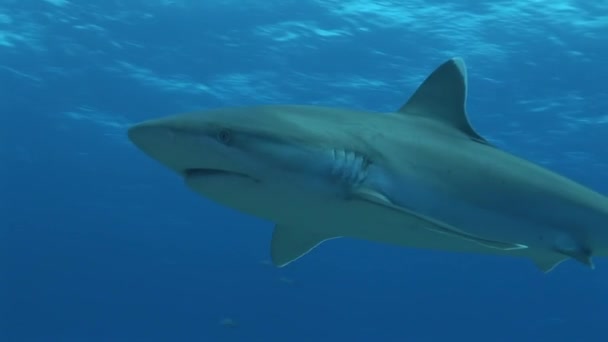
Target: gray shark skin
x=420, y=177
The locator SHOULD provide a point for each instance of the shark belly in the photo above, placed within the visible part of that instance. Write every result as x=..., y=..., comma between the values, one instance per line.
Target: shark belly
x=550, y=228
x=455, y=208
x=311, y=219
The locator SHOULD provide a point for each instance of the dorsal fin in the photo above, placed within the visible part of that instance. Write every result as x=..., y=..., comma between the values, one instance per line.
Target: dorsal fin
x=442, y=97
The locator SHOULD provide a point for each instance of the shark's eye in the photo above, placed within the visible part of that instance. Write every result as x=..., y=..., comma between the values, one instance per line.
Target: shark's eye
x=224, y=136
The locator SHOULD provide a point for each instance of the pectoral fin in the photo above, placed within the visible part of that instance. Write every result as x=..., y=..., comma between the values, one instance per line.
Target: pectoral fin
x=289, y=244
x=571, y=247
x=583, y=257
x=432, y=224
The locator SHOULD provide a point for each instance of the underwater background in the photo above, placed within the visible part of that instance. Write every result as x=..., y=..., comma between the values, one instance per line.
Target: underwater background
x=98, y=242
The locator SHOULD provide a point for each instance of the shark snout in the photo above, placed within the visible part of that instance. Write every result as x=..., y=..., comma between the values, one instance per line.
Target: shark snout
x=146, y=134
x=158, y=141
x=187, y=152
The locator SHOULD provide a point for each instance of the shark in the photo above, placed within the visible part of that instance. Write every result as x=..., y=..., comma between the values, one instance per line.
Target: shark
x=419, y=177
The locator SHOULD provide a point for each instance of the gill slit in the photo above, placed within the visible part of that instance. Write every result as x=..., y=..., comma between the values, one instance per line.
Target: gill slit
x=349, y=168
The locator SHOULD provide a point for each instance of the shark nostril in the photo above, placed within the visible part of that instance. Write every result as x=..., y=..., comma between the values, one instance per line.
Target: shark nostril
x=203, y=172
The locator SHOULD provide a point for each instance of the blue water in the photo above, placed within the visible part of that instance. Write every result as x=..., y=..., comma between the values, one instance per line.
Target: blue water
x=100, y=243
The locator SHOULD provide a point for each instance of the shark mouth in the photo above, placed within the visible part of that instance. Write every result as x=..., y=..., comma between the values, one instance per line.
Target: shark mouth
x=207, y=173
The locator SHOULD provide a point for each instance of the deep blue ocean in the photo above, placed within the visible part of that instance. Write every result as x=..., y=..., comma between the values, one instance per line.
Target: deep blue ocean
x=98, y=242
